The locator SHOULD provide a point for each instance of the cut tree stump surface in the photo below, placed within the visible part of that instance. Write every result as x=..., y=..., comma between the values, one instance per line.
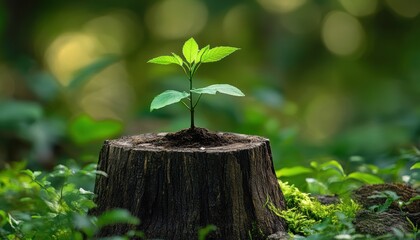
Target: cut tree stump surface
x=175, y=191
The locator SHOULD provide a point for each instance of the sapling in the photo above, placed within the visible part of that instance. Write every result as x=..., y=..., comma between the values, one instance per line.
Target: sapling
x=194, y=57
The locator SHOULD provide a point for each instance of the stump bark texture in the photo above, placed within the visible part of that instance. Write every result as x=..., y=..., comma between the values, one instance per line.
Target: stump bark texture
x=176, y=191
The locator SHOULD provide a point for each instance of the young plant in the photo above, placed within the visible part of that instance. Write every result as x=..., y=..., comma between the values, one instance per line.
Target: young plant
x=194, y=57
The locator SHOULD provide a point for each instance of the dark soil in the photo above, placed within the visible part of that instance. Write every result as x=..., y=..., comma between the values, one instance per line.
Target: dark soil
x=196, y=138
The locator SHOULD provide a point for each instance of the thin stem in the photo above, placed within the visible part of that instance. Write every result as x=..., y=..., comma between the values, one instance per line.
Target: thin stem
x=191, y=103
x=185, y=71
x=185, y=104
x=199, y=97
x=196, y=67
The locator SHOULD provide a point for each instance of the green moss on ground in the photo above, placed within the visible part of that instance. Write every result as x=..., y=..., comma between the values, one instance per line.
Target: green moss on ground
x=303, y=212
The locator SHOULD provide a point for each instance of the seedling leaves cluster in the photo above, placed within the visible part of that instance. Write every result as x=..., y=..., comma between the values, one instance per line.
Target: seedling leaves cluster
x=193, y=58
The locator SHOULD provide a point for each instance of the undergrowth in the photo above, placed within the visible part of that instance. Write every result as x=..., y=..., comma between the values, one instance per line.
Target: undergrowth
x=53, y=205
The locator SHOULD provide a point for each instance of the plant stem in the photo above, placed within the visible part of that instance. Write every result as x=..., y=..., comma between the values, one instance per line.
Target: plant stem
x=191, y=104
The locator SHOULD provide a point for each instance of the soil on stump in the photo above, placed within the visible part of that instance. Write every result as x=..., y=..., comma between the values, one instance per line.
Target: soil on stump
x=176, y=183
x=193, y=138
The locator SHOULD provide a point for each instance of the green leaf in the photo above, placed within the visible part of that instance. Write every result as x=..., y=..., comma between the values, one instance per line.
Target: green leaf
x=203, y=232
x=222, y=88
x=415, y=166
x=116, y=216
x=365, y=177
x=190, y=50
x=61, y=171
x=166, y=98
x=3, y=218
x=179, y=59
x=164, y=60
x=315, y=186
x=292, y=171
x=217, y=53
x=84, y=129
x=29, y=173
x=333, y=165
x=411, y=200
x=83, y=191
x=85, y=74
x=202, y=52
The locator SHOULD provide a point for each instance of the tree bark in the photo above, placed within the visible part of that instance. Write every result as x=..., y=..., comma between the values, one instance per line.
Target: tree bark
x=176, y=191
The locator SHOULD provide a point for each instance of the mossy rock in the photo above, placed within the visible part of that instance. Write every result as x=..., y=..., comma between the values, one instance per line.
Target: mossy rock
x=405, y=192
x=377, y=224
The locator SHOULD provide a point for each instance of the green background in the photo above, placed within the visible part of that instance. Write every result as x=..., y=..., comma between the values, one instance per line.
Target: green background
x=323, y=79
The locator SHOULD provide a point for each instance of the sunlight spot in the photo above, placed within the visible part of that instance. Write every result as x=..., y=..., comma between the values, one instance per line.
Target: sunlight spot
x=281, y=6
x=360, y=8
x=175, y=19
x=342, y=33
x=70, y=52
x=405, y=8
x=107, y=93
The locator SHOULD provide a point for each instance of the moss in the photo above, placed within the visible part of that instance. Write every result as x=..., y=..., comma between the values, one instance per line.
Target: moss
x=303, y=211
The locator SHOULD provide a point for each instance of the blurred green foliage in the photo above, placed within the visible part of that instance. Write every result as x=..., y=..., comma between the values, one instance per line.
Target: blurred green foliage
x=37, y=205
x=322, y=79
x=331, y=177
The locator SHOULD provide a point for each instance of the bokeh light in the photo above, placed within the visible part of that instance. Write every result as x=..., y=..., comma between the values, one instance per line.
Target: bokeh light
x=342, y=33
x=107, y=94
x=360, y=8
x=405, y=8
x=70, y=52
x=281, y=6
x=336, y=66
x=175, y=19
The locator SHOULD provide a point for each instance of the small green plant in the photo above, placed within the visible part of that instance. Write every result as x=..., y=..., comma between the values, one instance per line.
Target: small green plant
x=389, y=197
x=194, y=57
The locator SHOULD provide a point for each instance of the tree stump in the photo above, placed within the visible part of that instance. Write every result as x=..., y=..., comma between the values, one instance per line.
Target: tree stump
x=176, y=191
